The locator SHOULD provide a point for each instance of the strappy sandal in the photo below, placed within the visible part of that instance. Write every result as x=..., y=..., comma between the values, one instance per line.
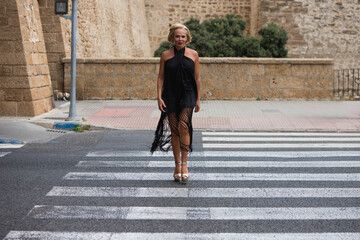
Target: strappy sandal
x=185, y=176
x=177, y=176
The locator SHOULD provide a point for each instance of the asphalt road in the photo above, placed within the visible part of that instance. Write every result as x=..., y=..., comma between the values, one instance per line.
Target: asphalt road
x=106, y=185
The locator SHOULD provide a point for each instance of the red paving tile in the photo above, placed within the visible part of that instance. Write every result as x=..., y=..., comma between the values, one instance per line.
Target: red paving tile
x=142, y=117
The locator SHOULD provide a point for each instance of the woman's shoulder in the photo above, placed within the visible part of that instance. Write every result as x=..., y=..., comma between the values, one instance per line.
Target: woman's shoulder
x=165, y=54
x=192, y=51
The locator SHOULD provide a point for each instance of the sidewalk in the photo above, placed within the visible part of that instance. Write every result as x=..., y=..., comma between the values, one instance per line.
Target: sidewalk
x=216, y=115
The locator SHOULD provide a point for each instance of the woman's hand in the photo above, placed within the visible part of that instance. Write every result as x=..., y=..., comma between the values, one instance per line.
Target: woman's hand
x=161, y=105
x=197, y=106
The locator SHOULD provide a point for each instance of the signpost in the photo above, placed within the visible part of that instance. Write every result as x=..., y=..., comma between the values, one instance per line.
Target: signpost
x=61, y=8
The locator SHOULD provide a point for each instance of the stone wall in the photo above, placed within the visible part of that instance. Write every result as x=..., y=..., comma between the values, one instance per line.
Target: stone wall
x=222, y=78
x=322, y=28
x=25, y=85
x=161, y=14
x=54, y=42
x=115, y=29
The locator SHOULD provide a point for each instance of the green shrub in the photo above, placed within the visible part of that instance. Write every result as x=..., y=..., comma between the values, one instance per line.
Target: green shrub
x=249, y=47
x=273, y=40
x=224, y=37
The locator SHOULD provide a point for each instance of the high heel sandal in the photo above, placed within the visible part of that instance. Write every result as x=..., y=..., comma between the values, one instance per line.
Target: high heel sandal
x=177, y=176
x=185, y=176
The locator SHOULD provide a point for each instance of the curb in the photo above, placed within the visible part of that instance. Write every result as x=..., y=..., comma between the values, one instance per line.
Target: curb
x=65, y=125
x=11, y=141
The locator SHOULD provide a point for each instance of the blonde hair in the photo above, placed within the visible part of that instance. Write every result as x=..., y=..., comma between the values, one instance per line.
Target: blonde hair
x=172, y=33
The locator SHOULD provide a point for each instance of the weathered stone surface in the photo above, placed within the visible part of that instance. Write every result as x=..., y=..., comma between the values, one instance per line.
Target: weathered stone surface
x=213, y=86
x=255, y=69
x=237, y=69
x=243, y=81
x=150, y=81
x=297, y=94
x=104, y=69
x=220, y=69
x=143, y=93
x=217, y=94
x=227, y=82
x=14, y=95
x=278, y=69
x=8, y=108
x=121, y=93
x=260, y=82
x=311, y=70
x=242, y=94
x=142, y=69
x=97, y=93
x=286, y=82
x=205, y=69
x=270, y=94
x=122, y=68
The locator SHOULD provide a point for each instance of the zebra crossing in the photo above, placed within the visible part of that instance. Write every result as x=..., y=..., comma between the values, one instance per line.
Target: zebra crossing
x=242, y=186
x=7, y=147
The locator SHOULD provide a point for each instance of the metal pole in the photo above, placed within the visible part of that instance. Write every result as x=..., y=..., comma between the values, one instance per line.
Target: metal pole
x=72, y=111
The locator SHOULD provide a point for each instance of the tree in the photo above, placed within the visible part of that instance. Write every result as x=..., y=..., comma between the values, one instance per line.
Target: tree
x=224, y=37
x=273, y=40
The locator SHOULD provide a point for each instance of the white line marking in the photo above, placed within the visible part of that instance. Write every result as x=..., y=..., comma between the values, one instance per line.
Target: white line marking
x=189, y=213
x=18, y=235
x=221, y=164
x=277, y=139
x=166, y=236
x=265, y=154
x=272, y=134
x=2, y=154
x=8, y=145
x=115, y=176
x=282, y=145
x=204, y=192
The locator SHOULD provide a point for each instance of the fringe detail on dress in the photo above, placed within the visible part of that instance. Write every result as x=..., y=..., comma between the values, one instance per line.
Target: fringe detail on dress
x=162, y=138
x=163, y=133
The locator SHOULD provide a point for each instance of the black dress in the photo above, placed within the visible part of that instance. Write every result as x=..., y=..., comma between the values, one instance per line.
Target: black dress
x=179, y=95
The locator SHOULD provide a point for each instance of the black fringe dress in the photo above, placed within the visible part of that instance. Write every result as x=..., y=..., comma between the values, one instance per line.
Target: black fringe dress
x=179, y=95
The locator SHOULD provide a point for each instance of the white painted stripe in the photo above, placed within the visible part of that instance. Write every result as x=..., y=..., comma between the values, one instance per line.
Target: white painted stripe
x=8, y=145
x=282, y=145
x=306, y=134
x=18, y=235
x=166, y=236
x=114, y=176
x=204, y=192
x=189, y=213
x=265, y=154
x=221, y=164
x=2, y=154
x=277, y=139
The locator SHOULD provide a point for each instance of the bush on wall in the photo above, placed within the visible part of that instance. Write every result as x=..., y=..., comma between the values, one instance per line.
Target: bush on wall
x=224, y=37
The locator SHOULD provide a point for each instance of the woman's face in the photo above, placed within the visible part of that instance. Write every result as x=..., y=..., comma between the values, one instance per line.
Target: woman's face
x=180, y=37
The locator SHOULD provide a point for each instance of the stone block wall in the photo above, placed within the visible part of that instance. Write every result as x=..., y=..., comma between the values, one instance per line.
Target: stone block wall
x=161, y=14
x=25, y=85
x=222, y=78
x=115, y=29
x=54, y=37
x=317, y=29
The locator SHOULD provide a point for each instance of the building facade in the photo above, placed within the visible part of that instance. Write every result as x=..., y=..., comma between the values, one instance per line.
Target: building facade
x=34, y=41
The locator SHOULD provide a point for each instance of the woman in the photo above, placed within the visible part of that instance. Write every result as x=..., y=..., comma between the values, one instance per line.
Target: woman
x=178, y=93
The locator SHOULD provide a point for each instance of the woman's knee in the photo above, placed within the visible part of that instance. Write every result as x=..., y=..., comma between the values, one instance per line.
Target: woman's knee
x=183, y=128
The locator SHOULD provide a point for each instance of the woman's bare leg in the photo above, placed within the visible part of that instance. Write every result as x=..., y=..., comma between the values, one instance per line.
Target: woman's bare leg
x=184, y=130
x=175, y=141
